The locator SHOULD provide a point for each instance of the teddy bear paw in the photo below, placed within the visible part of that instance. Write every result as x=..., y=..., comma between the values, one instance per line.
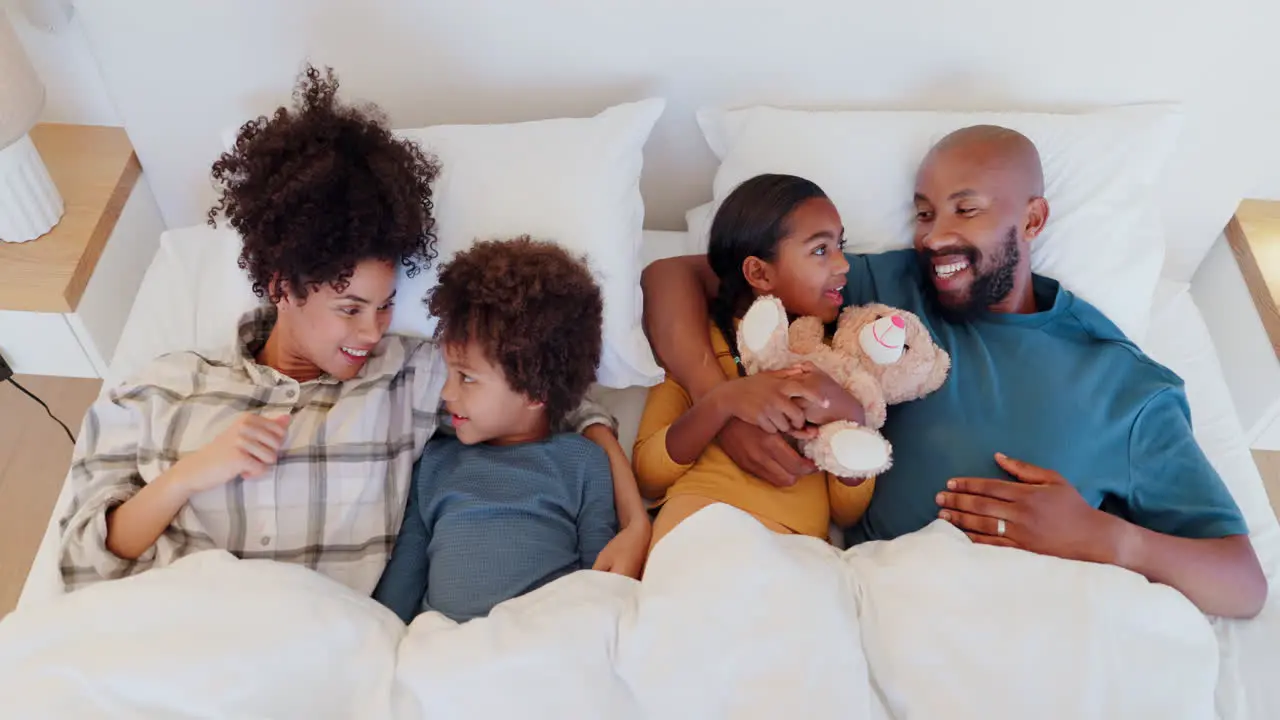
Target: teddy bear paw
x=762, y=334
x=849, y=450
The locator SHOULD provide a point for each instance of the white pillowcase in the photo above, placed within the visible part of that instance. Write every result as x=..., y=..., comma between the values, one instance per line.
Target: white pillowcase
x=574, y=181
x=1103, y=241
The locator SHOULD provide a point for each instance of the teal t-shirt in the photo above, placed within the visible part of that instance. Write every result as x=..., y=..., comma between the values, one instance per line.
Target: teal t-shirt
x=1062, y=388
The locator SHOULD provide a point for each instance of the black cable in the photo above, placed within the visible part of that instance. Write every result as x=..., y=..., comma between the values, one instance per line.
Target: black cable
x=31, y=395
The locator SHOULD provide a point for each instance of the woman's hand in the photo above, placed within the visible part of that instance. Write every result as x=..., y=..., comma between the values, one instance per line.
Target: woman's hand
x=626, y=552
x=248, y=447
x=772, y=400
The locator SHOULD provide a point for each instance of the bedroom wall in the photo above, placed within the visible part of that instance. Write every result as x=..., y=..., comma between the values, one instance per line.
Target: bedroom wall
x=74, y=91
x=180, y=74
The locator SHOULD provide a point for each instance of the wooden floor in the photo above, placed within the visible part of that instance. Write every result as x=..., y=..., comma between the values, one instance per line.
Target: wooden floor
x=35, y=455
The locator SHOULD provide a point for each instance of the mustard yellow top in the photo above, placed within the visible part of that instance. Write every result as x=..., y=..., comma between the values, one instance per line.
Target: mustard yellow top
x=807, y=507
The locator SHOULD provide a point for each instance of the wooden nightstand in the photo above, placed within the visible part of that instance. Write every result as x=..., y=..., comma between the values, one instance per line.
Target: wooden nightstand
x=1237, y=288
x=1254, y=237
x=64, y=297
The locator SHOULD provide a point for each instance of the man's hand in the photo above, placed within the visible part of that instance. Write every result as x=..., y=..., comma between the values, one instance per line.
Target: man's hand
x=767, y=456
x=248, y=447
x=1044, y=514
x=626, y=552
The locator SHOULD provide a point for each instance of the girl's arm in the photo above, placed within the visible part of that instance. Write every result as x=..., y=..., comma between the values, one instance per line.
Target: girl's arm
x=849, y=499
x=767, y=399
x=655, y=469
x=695, y=429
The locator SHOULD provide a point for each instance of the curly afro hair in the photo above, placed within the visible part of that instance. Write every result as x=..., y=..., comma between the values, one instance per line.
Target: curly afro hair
x=318, y=188
x=534, y=310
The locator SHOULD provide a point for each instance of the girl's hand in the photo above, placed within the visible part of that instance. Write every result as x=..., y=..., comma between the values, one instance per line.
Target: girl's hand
x=839, y=404
x=247, y=448
x=772, y=400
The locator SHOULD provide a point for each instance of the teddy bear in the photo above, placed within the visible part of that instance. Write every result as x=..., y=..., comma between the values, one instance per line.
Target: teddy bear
x=880, y=354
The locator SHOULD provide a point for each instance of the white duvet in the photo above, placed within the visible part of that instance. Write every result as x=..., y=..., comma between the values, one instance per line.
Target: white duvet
x=731, y=621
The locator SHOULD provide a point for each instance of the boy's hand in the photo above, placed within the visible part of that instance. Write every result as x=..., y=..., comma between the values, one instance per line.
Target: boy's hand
x=248, y=447
x=626, y=552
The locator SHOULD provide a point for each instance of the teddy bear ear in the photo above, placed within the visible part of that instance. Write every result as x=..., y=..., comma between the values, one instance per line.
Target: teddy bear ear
x=762, y=334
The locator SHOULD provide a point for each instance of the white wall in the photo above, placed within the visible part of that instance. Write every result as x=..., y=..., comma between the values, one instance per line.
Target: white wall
x=74, y=91
x=180, y=73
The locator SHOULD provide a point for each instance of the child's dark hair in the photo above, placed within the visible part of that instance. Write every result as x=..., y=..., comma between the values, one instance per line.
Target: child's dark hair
x=750, y=222
x=319, y=187
x=535, y=311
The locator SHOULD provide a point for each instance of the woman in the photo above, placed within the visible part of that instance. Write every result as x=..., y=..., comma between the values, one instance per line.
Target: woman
x=296, y=442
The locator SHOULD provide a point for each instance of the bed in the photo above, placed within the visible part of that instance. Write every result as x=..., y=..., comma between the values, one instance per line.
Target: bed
x=174, y=310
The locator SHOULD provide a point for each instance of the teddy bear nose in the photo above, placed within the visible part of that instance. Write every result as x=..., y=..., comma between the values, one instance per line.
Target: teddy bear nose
x=883, y=340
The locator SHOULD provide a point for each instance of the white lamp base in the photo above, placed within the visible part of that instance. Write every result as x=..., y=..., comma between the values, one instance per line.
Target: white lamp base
x=29, y=201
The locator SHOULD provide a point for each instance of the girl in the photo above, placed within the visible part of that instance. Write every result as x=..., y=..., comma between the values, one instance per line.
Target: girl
x=774, y=235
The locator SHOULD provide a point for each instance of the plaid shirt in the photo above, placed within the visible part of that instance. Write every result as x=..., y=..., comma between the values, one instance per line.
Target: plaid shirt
x=334, y=500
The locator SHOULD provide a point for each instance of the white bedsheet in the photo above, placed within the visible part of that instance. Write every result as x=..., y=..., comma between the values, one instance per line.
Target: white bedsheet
x=1250, y=650
x=169, y=316
x=732, y=621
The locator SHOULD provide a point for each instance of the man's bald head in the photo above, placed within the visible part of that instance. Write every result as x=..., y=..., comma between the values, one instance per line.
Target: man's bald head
x=994, y=148
x=979, y=199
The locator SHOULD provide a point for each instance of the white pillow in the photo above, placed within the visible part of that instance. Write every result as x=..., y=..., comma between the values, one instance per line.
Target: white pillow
x=1103, y=241
x=191, y=298
x=574, y=181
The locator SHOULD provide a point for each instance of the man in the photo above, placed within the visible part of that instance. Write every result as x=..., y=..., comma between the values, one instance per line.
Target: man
x=1108, y=469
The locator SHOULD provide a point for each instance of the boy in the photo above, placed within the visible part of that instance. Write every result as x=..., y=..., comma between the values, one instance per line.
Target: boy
x=509, y=504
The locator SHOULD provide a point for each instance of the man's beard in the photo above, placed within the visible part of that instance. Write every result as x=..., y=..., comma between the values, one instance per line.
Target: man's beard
x=992, y=282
